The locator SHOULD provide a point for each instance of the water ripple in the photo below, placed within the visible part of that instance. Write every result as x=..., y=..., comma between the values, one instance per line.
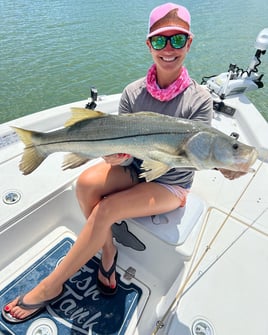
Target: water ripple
x=52, y=51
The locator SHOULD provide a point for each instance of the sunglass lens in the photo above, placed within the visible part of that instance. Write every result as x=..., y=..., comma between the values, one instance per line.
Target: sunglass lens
x=178, y=41
x=158, y=42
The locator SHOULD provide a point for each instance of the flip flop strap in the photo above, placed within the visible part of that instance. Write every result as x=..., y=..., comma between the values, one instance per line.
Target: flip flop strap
x=107, y=274
x=23, y=305
x=41, y=304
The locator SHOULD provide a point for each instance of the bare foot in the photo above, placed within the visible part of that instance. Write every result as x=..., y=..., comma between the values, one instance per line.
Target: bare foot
x=37, y=295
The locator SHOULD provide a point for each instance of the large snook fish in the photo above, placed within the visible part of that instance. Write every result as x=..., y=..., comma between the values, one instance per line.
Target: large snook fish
x=162, y=142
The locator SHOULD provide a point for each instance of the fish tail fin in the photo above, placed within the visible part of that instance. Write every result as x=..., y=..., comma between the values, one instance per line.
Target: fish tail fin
x=31, y=157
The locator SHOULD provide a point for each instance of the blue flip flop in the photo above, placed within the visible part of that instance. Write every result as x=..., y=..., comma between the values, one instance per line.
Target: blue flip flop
x=39, y=308
x=104, y=289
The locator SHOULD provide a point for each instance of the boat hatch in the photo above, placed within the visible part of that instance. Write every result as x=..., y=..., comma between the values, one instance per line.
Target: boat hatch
x=81, y=308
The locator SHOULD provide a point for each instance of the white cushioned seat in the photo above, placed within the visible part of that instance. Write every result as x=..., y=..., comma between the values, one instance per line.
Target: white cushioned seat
x=175, y=226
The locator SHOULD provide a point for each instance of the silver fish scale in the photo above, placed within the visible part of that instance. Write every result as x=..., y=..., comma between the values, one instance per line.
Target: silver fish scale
x=119, y=126
x=162, y=142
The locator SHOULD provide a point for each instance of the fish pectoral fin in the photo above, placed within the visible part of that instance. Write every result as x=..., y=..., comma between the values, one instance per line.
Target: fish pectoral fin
x=153, y=169
x=160, y=162
x=72, y=161
x=171, y=160
x=81, y=114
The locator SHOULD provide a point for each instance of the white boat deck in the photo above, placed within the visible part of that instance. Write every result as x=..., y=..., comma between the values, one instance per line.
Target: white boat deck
x=227, y=290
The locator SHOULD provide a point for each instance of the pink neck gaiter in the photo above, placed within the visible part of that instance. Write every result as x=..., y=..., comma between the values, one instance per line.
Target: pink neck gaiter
x=166, y=94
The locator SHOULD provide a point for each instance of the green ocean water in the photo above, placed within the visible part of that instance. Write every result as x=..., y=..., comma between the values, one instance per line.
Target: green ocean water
x=53, y=51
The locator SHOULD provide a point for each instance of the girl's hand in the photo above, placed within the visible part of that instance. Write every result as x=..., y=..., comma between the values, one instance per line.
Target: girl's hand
x=231, y=174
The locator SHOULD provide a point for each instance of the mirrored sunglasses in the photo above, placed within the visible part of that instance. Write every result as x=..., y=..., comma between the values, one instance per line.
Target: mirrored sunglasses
x=177, y=41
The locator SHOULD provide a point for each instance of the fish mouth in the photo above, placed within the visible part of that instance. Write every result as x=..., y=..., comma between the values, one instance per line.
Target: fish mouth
x=245, y=165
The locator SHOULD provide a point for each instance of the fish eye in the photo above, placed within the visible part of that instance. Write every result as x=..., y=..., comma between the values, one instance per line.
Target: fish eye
x=235, y=146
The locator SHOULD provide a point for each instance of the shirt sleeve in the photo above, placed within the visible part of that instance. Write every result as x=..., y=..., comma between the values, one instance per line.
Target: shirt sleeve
x=124, y=105
x=200, y=104
x=204, y=112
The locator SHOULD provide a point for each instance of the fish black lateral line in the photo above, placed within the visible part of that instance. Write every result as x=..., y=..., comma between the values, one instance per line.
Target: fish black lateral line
x=162, y=142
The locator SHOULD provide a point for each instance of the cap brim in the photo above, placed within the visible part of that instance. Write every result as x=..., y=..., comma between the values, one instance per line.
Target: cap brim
x=164, y=29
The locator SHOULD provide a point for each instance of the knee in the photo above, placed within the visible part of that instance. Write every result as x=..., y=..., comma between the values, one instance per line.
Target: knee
x=87, y=191
x=87, y=182
x=106, y=213
x=84, y=180
x=82, y=186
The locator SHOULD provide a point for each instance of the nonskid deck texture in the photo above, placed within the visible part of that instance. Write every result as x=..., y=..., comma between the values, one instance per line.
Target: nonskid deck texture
x=81, y=309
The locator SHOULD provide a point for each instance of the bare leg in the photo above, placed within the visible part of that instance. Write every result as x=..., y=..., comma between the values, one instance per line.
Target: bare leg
x=139, y=200
x=92, y=186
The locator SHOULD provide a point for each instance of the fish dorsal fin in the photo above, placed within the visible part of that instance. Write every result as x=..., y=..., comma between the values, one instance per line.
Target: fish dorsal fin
x=80, y=114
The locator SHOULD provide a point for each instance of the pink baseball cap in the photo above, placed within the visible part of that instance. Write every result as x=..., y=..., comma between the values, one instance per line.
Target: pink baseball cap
x=169, y=16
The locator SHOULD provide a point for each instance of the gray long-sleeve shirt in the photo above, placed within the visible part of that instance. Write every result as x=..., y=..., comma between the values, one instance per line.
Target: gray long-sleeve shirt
x=193, y=103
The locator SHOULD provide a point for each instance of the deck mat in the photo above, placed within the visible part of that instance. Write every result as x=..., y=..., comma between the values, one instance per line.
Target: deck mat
x=81, y=309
